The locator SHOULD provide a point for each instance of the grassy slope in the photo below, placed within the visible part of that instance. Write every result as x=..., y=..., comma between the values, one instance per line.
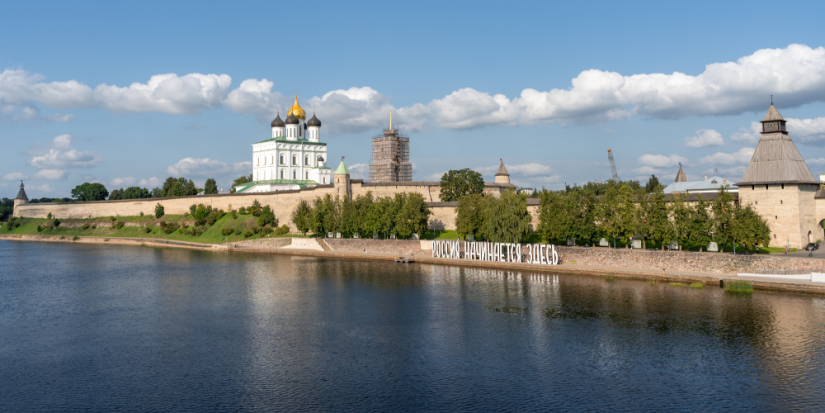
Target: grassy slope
x=210, y=236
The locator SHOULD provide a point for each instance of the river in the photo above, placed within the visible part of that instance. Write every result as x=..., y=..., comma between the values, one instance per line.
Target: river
x=106, y=328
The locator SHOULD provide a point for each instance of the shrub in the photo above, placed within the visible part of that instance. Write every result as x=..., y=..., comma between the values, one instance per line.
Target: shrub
x=141, y=213
x=170, y=228
x=182, y=230
x=192, y=209
x=227, y=232
x=737, y=286
x=75, y=238
x=282, y=230
x=255, y=209
x=267, y=230
x=199, y=222
x=234, y=214
x=56, y=223
x=210, y=220
x=247, y=234
x=159, y=210
x=147, y=230
x=256, y=230
x=118, y=225
x=113, y=219
x=242, y=211
x=39, y=228
x=86, y=226
x=49, y=216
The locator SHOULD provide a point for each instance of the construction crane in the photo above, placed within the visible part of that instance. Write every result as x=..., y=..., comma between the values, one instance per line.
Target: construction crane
x=612, y=165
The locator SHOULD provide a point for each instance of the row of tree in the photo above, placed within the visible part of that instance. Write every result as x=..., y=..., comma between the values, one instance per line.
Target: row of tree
x=172, y=187
x=624, y=212
x=403, y=215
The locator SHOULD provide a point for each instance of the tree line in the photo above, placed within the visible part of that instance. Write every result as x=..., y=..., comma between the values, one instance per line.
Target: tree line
x=624, y=211
x=403, y=215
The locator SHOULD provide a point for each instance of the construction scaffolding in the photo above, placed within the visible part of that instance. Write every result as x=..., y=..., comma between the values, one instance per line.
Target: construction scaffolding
x=391, y=157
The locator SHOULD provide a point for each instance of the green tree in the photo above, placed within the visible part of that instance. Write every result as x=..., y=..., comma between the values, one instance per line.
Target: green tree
x=210, y=187
x=243, y=179
x=413, y=216
x=506, y=218
x=135, y=192
x=302, y=217
x=90, y=192
x=653, y=185
x=552, y=216
x=6, y=208
x=470, y=216
x=158, y=193
x=659, y=228
x=748, y=228
x=722, y=209
x=159, y=211
x=455, y=184
x=116, y=194
x=267, y=217
x=699, y=225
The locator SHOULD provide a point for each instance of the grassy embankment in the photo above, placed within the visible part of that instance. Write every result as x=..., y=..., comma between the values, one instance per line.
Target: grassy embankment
x=136, y=227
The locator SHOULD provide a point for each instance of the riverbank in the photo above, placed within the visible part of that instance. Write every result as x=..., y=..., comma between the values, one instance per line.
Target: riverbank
x=338, y=249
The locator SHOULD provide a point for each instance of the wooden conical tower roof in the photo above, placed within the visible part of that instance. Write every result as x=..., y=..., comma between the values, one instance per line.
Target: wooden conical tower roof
x=776, y=159
x=680, y=176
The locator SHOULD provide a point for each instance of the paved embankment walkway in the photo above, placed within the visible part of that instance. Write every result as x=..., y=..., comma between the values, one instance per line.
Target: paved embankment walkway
x=423, y=257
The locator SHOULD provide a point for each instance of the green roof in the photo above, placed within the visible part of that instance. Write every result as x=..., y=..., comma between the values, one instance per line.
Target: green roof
x=342, y=169
x=285, y=140
x=301, y=183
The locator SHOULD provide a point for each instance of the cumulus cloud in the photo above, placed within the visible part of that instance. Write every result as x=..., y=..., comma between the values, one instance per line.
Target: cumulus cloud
x=817, y=161
x=59, y=154
x=15, y=176
x=795, y=75
x=749, y=136
x=150, y=183
x=742, y=156
x=127, y=181
x=51, y=174
x=40, y=188
x=647, y=170
x=359, y=171
x=661, y=161
x=703, y=138
x=810, y=131
x=206, y=168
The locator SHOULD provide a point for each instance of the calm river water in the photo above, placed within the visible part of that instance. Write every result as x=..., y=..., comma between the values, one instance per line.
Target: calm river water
x=106, y=328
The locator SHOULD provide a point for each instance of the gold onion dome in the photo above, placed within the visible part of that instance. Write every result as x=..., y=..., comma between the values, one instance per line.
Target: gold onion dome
x=297, y=110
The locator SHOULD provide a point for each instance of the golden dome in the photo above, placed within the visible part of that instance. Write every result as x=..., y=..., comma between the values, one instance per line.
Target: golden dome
x=297, y=110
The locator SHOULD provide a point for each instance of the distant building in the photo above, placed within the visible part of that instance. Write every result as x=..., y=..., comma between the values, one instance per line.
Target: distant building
x=391, y=157
x=712, y=184
x=293, y=158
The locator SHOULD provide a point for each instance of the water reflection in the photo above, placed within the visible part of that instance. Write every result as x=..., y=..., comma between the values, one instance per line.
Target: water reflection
x=105, y=328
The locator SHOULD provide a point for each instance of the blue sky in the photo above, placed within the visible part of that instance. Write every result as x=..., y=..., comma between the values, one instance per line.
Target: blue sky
x=131, y=93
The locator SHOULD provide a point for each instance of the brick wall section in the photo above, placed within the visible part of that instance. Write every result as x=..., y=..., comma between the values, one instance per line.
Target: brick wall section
x=791, y=212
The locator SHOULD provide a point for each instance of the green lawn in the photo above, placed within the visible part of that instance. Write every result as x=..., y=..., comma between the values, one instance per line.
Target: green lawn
x=211, y=235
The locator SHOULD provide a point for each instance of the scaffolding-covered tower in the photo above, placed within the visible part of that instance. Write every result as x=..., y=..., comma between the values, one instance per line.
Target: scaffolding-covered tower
x=391, y=157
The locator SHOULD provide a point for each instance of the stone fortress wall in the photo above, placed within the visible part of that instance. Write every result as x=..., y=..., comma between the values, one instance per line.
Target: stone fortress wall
x=283, y=203
x=792, y=212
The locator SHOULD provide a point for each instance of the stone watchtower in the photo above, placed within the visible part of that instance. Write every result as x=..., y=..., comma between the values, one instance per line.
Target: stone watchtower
x=502, y=177
x=20, y=199
x=343, y=186
x=779, y=186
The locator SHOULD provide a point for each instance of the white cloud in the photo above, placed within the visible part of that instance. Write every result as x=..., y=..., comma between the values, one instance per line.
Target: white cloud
x=750, y=136
x=127, y=181
x=167, y=93
x=59, y=154
x=795, y=75
x=359, y=171
x=41, y=188
x=51, y=174
x=150, y=183
x=703, y=138
x=647, y=170
x=807, y=130
x=661, y=161
x=528, y=169
x=818, y=161
x=15, y=176
x=206, y=168
x=742, y=156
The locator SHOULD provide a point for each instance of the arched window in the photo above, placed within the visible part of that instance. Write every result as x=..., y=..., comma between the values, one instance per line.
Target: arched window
x=294, y=160
x=307, y=176
x=306, y=160
x=325, y=180
x=282, y=159
x=294, y=176
x=282, y=174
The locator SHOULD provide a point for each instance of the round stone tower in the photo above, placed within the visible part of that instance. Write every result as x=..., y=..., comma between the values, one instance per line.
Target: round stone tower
x=20, y=199
x=502, y=177
x=343, y=186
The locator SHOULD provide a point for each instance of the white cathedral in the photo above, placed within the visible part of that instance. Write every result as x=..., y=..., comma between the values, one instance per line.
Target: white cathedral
x=293, y=158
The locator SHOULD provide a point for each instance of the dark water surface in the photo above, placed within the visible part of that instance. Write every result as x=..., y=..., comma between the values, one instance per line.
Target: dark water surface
x=108, y=328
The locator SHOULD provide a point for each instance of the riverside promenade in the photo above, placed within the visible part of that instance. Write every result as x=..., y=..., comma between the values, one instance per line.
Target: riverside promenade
x=387, y=250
